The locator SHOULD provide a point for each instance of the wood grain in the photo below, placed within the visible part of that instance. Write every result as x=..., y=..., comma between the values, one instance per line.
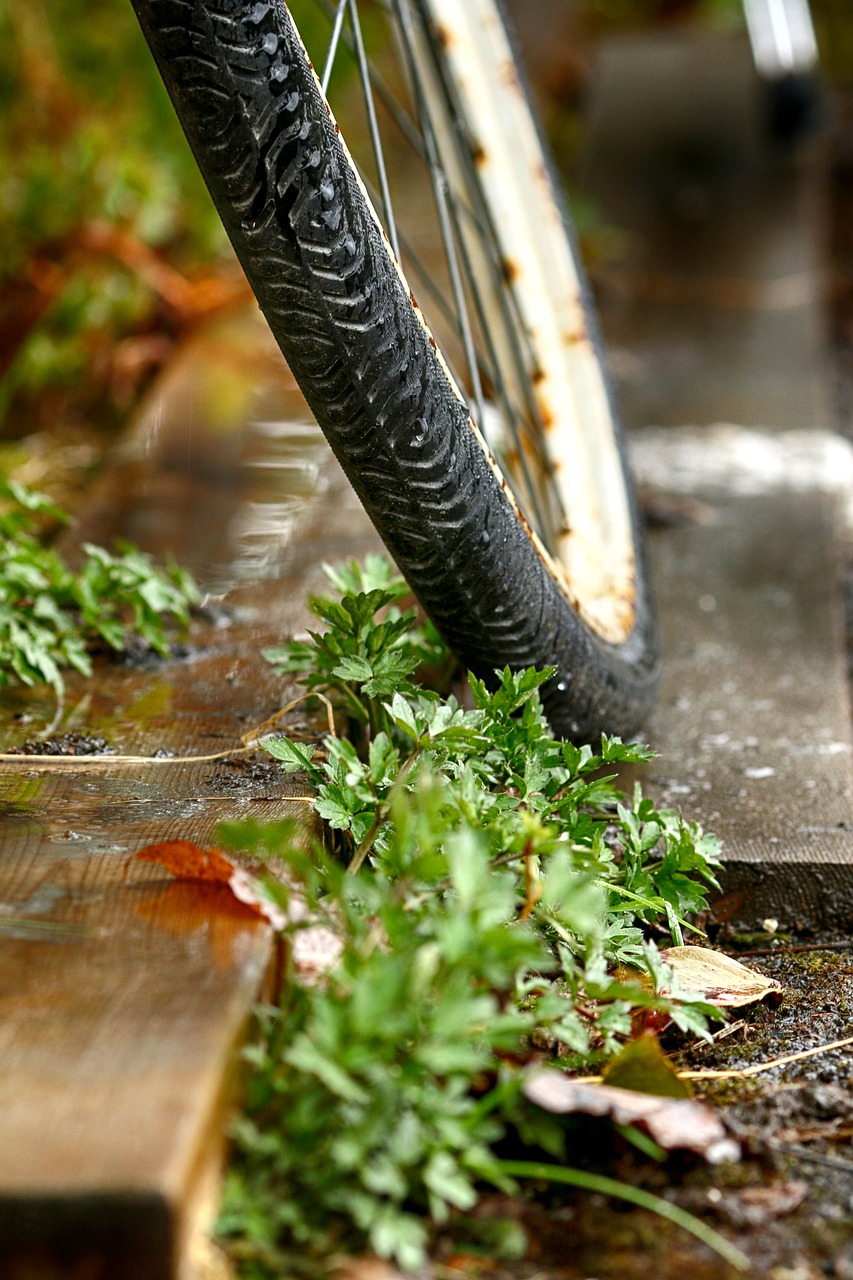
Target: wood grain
x=124, y=994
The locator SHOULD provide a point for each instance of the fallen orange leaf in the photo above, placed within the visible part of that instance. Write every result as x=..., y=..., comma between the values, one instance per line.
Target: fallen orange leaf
x=187, y=861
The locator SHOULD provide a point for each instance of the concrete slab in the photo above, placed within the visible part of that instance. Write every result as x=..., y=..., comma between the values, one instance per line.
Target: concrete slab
x=712, y=306
x=753, y=725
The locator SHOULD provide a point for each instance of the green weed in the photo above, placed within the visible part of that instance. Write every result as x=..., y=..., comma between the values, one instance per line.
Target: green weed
x=483, y=880
x=50, y=615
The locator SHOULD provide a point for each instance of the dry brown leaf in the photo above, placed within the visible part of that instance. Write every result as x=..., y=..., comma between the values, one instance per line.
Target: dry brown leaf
x=187, y=861
x=671, y=1122
x=315, y=948
x=718, y=978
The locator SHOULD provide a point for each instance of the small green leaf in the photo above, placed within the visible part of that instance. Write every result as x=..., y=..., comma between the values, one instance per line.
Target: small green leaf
x=292, y=755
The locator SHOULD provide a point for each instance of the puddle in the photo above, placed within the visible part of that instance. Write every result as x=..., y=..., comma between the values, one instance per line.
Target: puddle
x=223, y=460
x=280, y=472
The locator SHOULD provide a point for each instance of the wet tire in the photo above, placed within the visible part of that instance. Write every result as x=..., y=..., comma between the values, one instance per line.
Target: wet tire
x=323, y=274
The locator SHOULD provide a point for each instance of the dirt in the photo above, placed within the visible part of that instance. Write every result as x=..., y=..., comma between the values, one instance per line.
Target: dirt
x=238, y=775
x=787, y=1204
x=65, y=744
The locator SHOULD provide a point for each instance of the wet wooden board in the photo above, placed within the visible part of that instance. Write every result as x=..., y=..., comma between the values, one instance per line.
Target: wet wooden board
x=753, y=724
x=124, y=994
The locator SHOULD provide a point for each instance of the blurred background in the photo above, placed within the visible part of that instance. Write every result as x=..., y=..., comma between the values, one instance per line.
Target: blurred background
x=714, y=208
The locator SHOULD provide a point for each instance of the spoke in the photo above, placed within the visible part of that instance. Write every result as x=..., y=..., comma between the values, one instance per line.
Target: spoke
x=481, y=310
x=333, y=44
x=488, y=360
x=364, y=72
x=440, y=192
x=523, y=357
x=395, y=109
x=409, y=129
x=514, y=419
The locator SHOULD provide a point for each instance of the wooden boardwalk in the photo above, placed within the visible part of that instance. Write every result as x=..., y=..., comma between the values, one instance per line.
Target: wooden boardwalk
x=124, y=994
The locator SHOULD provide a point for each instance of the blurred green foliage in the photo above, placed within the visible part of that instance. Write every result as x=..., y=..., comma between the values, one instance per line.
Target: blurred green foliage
x=89, y=146
x=105, y=221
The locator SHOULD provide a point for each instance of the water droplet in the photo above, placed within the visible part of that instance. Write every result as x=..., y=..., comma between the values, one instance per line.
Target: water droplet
x=270, y=43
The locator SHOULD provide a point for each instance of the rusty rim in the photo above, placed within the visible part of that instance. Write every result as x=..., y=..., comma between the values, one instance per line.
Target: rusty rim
x=507, y=300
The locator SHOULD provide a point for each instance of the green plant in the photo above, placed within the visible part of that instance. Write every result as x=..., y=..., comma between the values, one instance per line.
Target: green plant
x=482, y=880
x=104, y=217
x=51, y=614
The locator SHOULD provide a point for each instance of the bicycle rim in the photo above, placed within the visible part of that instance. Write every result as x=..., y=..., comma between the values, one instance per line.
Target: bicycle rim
x=541, y=569
x=515, y=295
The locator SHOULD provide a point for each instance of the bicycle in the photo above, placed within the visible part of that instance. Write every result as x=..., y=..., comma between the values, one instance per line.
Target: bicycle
x=502, y=491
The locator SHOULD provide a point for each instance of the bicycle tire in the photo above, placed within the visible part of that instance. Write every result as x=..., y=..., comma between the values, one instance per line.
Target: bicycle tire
x=349, y=328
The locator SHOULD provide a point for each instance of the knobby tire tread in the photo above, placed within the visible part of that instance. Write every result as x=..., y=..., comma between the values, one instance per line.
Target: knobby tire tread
x=321, y=269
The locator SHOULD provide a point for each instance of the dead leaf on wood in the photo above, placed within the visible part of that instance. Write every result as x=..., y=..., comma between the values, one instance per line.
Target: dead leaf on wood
x=186, y=861
x=315, y=948
x=718, y=978
x=673, y=1123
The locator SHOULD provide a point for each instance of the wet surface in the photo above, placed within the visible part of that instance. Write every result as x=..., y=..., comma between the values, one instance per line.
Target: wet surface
x=753, y=722
x=123, y=994
x=220, y=466
x=713, y=309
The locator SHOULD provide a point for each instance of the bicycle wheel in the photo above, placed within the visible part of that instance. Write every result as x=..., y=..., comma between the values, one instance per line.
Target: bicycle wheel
x=526, y=550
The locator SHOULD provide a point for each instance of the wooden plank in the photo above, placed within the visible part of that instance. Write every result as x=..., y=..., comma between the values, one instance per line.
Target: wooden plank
x=123, y=994
x=753, y=725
